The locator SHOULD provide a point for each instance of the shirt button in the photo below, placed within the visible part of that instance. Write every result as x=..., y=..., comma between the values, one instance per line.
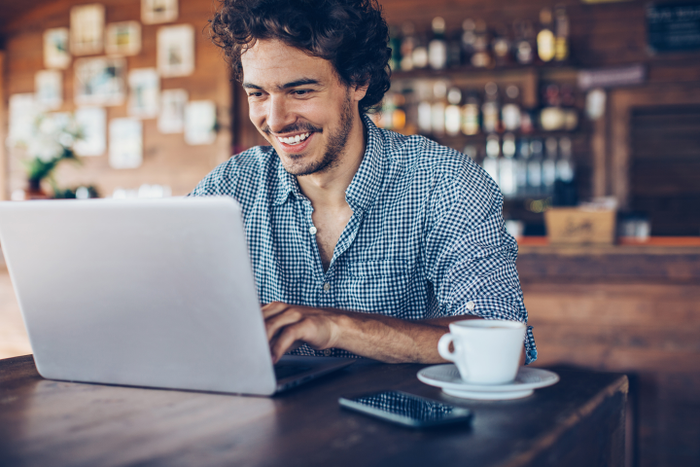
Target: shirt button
x=313, y=230
x=327, y=352
x=326, y=287
x=470, y=306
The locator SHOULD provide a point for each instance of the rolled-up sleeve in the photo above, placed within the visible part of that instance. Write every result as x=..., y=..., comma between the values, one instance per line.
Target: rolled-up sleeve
x=472, y=259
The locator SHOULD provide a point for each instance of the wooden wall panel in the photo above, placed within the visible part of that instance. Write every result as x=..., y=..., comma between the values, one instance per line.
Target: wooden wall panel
x=168, y=160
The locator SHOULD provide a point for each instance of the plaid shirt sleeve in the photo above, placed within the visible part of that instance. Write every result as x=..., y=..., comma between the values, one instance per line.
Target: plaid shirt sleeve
x=470, y=255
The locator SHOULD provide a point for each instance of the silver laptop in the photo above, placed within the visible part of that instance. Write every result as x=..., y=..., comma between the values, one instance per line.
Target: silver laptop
x=156, y=293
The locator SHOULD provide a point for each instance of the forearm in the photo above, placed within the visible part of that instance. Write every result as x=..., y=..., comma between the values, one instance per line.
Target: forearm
x=390, y=339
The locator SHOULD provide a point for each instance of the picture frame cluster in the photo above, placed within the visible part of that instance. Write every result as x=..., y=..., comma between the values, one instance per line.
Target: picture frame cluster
x=97, y=54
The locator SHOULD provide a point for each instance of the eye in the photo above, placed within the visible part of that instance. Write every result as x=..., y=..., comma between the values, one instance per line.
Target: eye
x=254, y=94
x=301, y=92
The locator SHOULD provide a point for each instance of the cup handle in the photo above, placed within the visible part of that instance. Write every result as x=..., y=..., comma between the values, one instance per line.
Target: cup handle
x=444, y=347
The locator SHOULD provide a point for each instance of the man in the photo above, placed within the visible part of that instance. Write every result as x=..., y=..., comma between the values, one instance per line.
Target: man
x=363, y=242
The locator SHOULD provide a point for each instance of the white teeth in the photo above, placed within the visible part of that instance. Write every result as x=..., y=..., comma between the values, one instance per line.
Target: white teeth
x=292, y=140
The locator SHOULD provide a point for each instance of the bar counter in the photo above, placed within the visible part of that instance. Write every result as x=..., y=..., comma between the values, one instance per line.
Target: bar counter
x=634, y=308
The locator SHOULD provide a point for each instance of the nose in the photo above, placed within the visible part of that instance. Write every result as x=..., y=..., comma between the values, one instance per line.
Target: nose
x=279, y=114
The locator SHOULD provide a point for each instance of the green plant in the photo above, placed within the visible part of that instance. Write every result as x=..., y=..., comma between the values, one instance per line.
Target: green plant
x=52, y=142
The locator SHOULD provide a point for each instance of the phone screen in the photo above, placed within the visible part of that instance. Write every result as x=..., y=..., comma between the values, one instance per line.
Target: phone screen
x=406, y=409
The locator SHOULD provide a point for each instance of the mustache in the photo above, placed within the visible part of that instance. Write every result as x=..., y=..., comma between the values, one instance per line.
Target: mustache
x=294, y=128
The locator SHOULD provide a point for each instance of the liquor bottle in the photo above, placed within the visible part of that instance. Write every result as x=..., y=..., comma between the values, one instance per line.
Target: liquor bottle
x=568, y=104
x=524, y=43
x=552, y=116
x=470, y=116
x=507, y=167
x=521, y=159
x=420, y=52
x=468, y=40
x=500, y=44
x=425, y=117
x=491, y=161
x=561, y=41
x=549, y=167
x=395, y=45
x=481, y=58
x=437, y=120
x=437, y=49
x=454, y=50
x=490, y=109
x=565, y=192
x=511, y=112
x=565, y=163
x=408, y=44
x=453, y=112
x=534, y=168
x=545, y=38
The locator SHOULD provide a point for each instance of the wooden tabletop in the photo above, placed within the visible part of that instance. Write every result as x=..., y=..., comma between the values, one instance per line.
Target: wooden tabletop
x=579, y=421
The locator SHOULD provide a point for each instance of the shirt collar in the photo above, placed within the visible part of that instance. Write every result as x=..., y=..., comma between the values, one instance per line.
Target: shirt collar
x=365, y=184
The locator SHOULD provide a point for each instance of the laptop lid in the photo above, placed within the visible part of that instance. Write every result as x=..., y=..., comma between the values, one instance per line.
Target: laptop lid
x=153, y=293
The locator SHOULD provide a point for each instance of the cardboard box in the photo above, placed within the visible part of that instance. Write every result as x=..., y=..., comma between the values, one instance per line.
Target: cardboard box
x=580, y=226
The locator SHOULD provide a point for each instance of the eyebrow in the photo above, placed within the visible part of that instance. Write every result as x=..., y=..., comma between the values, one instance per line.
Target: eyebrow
x=291, y=84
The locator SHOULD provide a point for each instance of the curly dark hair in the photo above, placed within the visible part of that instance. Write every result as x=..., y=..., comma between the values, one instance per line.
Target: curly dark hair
x=351, y=34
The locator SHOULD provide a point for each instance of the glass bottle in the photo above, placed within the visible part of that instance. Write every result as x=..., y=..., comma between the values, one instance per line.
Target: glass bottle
x=490, y=109
x=437, y=121
x=468, y=40
x=437, y=49
x=481, y=57
x=534, y=168
x=511, y=112
x=453, y=112
x=561, y=27
x=500, y=44
x=545, y=38
x=507, y=166
x=470, y=115
x=491, y=161
x=549, y=168
x=408, y=44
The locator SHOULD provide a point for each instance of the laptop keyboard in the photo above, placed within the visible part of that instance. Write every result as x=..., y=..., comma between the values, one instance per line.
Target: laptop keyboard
x=286, y=369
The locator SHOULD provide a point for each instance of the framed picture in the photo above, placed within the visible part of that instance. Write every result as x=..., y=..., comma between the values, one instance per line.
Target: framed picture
x=144, y=92
x=100, y=81
x=125, y=143
x=48, y=86
x=123, y=38
x=176, y=50
x=56, y=54
x=87, y=29
x=172, y=111
x=200, y=122
x=23, y=113
x=158, y=11
x=92, y=121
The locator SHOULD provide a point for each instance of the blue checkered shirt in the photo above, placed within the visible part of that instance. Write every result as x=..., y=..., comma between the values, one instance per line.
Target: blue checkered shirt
x=426, y=238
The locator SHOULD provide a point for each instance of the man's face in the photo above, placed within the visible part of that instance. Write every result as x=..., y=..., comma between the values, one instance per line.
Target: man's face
x=299, y=105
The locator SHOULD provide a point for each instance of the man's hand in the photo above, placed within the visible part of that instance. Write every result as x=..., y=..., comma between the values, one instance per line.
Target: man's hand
x=288, y=326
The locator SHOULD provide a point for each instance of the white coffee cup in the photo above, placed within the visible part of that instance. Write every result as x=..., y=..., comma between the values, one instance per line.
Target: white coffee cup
x=485, y=351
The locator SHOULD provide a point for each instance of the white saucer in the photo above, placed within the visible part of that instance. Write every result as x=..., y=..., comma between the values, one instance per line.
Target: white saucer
x=447, y=377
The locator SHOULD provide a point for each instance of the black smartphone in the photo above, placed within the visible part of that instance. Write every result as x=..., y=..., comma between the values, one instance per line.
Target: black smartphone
x=407, y=409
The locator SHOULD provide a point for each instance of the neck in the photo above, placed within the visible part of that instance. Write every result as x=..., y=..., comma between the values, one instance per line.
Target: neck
x=327, y=188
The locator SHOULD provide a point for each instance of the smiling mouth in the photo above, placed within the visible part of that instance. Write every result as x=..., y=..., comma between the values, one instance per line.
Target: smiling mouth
x=294, y=140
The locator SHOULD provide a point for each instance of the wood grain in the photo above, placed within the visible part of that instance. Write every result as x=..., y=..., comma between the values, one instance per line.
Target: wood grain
x=86, y=424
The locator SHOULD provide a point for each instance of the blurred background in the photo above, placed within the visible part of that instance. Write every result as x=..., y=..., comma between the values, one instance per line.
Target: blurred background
x=585, y=112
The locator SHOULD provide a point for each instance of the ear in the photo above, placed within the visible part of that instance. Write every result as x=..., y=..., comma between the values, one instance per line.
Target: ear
x=359, y=91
